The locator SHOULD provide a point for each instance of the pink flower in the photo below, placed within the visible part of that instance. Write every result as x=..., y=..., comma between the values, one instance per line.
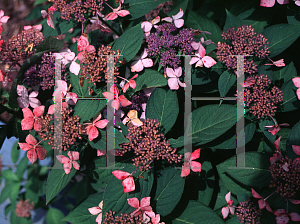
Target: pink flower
x=156, y=220
x=141, y=62
x=127, y=180
x=277, y=155
x=282, y=217
x=114, y=95
x=144, y=208
x=248, y=82
x=24, y=100
x=130, y=83
x=279, y=63
x=271, y=3
x=261, y=202
x=96, y=211
x=225, y=210
x=202, y=59
x=297, y=2
x=147, y=26
x=173, y=80
x=273, y=129
x=116, y=12
x=31, y=119
x=34, y=150
x=2, y=74
x=92, y=130
x=132, y=116
x=38, y=27
x=69, y=161
x=71, y=98
x=3, y=19
x=297, y=151
x=67, y=55
x=83, y=46
x=189, y=164
x=49, y=16
x=296, y=82
x=177, y=21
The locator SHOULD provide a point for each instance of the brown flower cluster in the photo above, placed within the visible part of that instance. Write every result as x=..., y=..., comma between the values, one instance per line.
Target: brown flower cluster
x=286, y=177
x=71, y=128
x=244, y=41
x=248, y=212
x=78, y=9
x=23, y=207
x=111, y=217
x=95, y=65
x=148, y=145
x=261, y=99
x=19, y=48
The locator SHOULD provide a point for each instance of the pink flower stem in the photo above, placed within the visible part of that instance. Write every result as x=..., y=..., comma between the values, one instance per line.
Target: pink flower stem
x=109, y=6
x=122, y=78
x=269, y=196
x=274, y=120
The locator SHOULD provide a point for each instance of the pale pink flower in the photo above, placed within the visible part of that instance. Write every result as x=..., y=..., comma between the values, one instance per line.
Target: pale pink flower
x=202, y=59
x=174, y=75
x=68, y=162
x=296, y=82
x=225, y=210
x=143, y=208
x=141, y=62
x=24, y=100
x=147, y=26
x=279, y=63
x=97, y=211
x=114, y=95
x=3, y=19
x=38, y=27
x=176, y=19
x=282, y=217
x=116, y=12
x=271, y=3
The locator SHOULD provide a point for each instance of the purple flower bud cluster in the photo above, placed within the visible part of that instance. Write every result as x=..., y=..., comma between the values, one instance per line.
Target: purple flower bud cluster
x=248, y=212
x=137, y=100
x=32, y=77
x=111, y=217
x=244, y=41
x=166, y=42
x=261, y=99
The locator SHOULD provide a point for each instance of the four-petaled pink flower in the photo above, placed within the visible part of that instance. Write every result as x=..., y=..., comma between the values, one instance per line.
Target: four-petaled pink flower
x=49, y=16
x=96, y=211
x=141, y=62
x=147, y=26
x=189, y=164
x=202, y=59
x=32, y=119
x=173, y=80
x=127, y=180
x=279, y=63
x=69, y=161
x=296, y=82
x=144, y=208
x=130, y=83
x=24, y=100
x=91, y=129
x=225, y=210
x=114, y=95
x=177, y=21
x=273, y=129
x=156, y=220
x=271, y=3
x=116, y=12
x=38, y=27
x=33, y=149
x=261, y=202
x=282, y=217
x=3, y=19
x=84, y=47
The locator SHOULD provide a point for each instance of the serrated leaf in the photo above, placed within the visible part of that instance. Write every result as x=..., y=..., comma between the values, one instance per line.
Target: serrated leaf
x=168, y=182
x=225, y=82
x=138, y=8
x=258, y=176
x=290, y=101
x=80, y=214
x=129, y=43
x=163, y=105
x=280, y=37
x=209, y=122
x=54, y=216
x=198, y=21
x=56, y=181
x=197, y=213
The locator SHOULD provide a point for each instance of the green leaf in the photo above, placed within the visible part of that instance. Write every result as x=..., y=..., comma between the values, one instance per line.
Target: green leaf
x=54, y=216
x=293, y=139
x=14, y=219
x=15, y=153
x=197, y=213
x=65, y=26
x=209, y=122
x=280, y=37
x=183, y=4
x=138, y=8
x=258, y=176
x=8, y=208
x=5, y=192
x=232, y=21
x=163, y=105
x=150, y=78
x=286, y=73
x=114, y=197
x=129, y=43
x=290, y=101
x=9, y=175
x=226, y=81
x=32, y=189
x=168, y=182
x=15, y=188
x=56, y=181
x=198, y=21
x=293, y=17
x=87, y=109
x=80, y=214
x=50, y=44
x=37, y=2
x=22, y=167
x=206, y=183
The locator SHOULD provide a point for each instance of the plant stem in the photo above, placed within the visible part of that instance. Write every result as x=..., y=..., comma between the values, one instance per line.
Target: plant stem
x=121, y=25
